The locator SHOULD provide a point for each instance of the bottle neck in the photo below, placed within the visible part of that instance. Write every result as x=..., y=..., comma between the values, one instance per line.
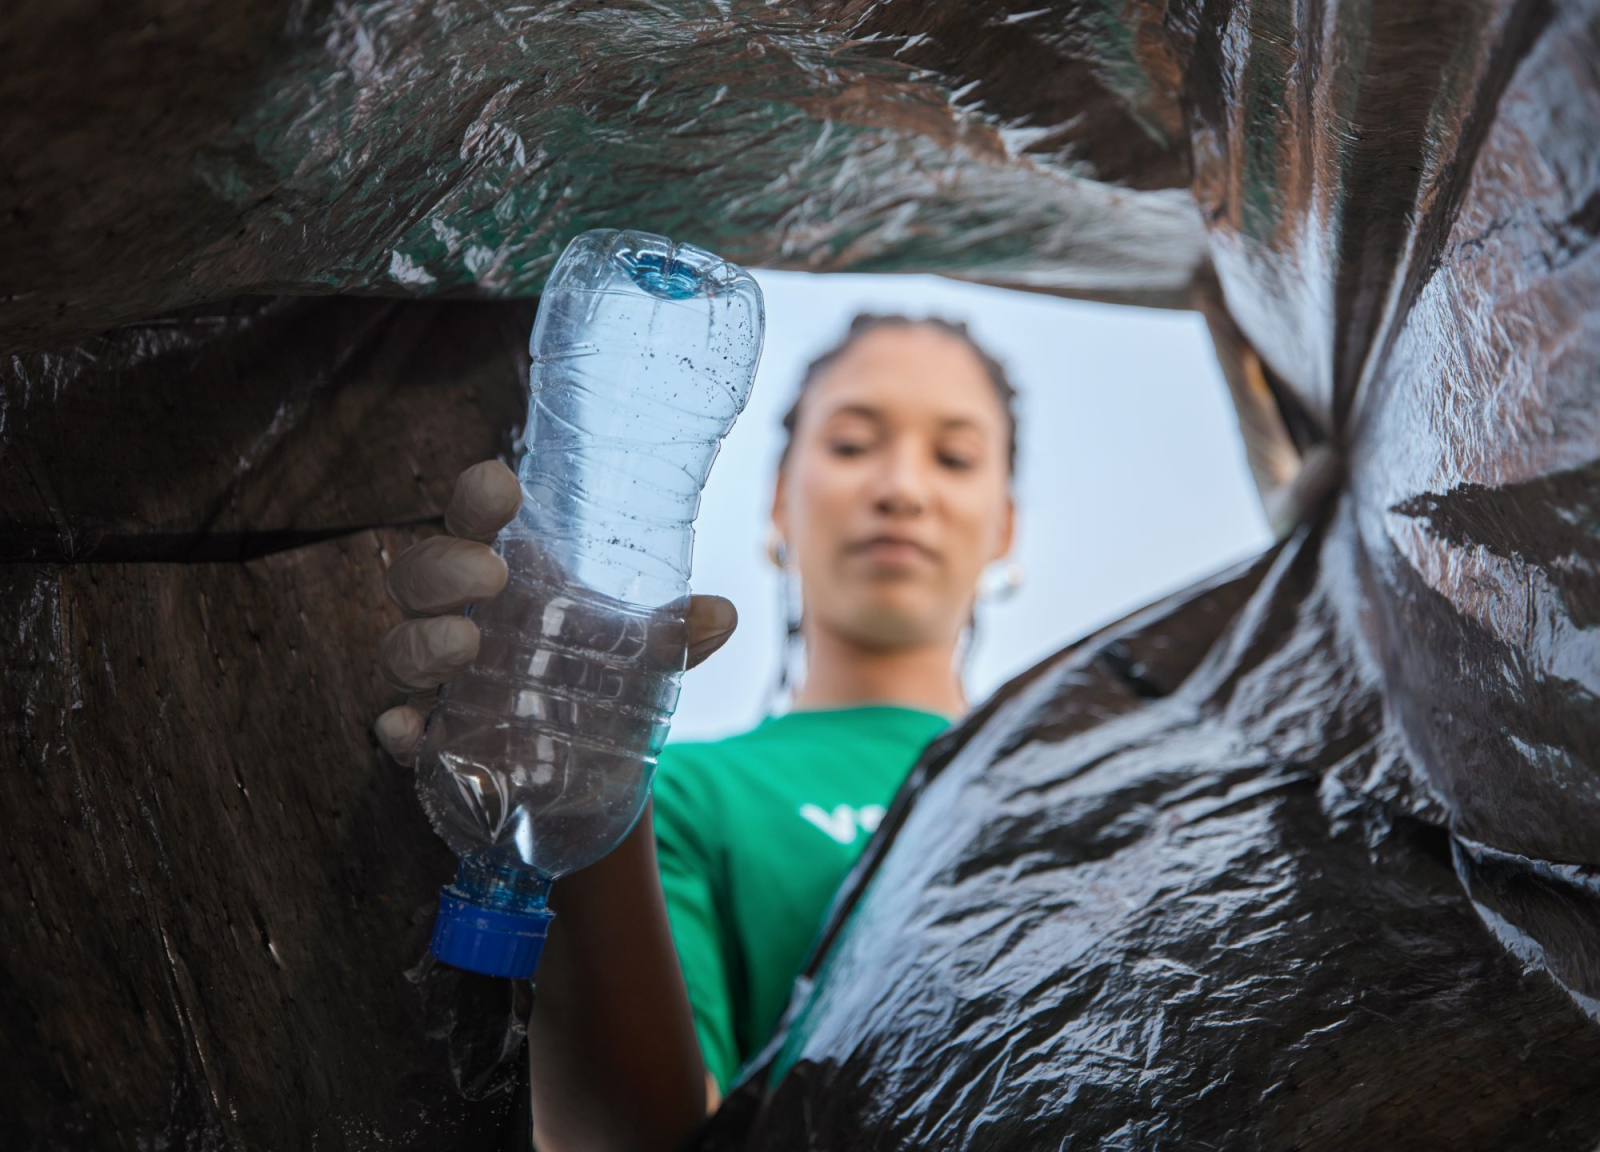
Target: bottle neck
x=489, y=883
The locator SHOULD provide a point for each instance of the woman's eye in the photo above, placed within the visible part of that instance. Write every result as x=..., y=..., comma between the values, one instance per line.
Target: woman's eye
x=847, y=447
x=955, y=461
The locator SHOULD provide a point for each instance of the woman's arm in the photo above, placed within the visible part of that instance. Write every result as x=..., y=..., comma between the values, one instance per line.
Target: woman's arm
x=611, y=1042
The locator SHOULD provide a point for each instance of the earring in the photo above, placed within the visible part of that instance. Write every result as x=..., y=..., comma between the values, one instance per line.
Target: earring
x=777, y=554
x=1004, y=586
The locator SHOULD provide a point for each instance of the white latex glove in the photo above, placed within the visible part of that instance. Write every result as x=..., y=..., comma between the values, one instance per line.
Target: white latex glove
x=437, y=577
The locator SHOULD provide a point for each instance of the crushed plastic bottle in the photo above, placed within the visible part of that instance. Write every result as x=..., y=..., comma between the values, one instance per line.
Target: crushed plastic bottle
x=538, y=759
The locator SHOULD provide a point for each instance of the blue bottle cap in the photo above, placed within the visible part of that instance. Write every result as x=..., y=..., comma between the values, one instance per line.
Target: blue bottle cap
x=488, y=940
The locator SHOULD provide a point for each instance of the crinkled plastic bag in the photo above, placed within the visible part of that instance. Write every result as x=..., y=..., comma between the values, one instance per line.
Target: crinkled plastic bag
x=1303, y=858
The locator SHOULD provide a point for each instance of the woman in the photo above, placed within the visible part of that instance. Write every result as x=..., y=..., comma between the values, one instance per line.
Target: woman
x=675, y=954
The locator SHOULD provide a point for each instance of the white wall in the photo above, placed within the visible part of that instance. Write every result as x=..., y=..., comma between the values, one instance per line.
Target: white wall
x=1132, y=479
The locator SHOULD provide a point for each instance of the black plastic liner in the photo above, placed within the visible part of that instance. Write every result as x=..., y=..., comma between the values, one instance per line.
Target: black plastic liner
x=1335, y=884
x=1304, y=858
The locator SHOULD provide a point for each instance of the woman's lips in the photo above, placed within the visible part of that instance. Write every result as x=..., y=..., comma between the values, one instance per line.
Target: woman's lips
x=893, y=551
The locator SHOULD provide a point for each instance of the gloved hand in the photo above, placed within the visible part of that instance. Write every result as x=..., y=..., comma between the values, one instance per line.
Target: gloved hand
x=436, y=578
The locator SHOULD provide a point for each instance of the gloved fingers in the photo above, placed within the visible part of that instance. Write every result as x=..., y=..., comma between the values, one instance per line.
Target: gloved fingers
x=399, y=730
x=711, y=621
x=487, y=497
x=443, y=574
x=676, y=636
x=416, y=655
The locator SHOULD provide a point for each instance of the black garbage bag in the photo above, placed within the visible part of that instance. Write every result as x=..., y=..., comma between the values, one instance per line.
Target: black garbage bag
x=237, y=375
x=216, y=892
x=163, y=153
x=1177, y=889
x=1328, y=875
x=1303, y=858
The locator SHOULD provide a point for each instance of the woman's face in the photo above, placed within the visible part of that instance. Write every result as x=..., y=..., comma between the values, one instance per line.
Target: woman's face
x=896, y=492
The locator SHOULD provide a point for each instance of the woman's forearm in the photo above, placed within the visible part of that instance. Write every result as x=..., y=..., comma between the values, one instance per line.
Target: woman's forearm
x=611, y=1043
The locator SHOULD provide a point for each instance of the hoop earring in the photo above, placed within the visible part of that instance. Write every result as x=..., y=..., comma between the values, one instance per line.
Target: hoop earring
x=1004, y=587
x=778, y=693
x=777, y=553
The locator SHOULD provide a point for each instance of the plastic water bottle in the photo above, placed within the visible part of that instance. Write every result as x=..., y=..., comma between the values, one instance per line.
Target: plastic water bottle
x=538, y=759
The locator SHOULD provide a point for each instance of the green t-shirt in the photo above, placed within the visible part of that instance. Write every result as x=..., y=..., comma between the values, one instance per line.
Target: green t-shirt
x=754, y=833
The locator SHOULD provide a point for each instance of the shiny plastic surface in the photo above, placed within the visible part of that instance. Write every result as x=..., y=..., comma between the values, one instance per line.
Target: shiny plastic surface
x=420, y=148
x=540, y=755
x=1167, y=893
x=1323, y=877
x=1328, y=876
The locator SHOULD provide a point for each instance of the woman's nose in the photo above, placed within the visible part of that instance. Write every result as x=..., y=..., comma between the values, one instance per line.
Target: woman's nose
x=901, y=484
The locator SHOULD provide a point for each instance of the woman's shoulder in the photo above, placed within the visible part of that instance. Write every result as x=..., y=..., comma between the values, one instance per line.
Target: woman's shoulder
x=803, y=732
x=699, y=782
x=724, y=772
x=695, y=757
